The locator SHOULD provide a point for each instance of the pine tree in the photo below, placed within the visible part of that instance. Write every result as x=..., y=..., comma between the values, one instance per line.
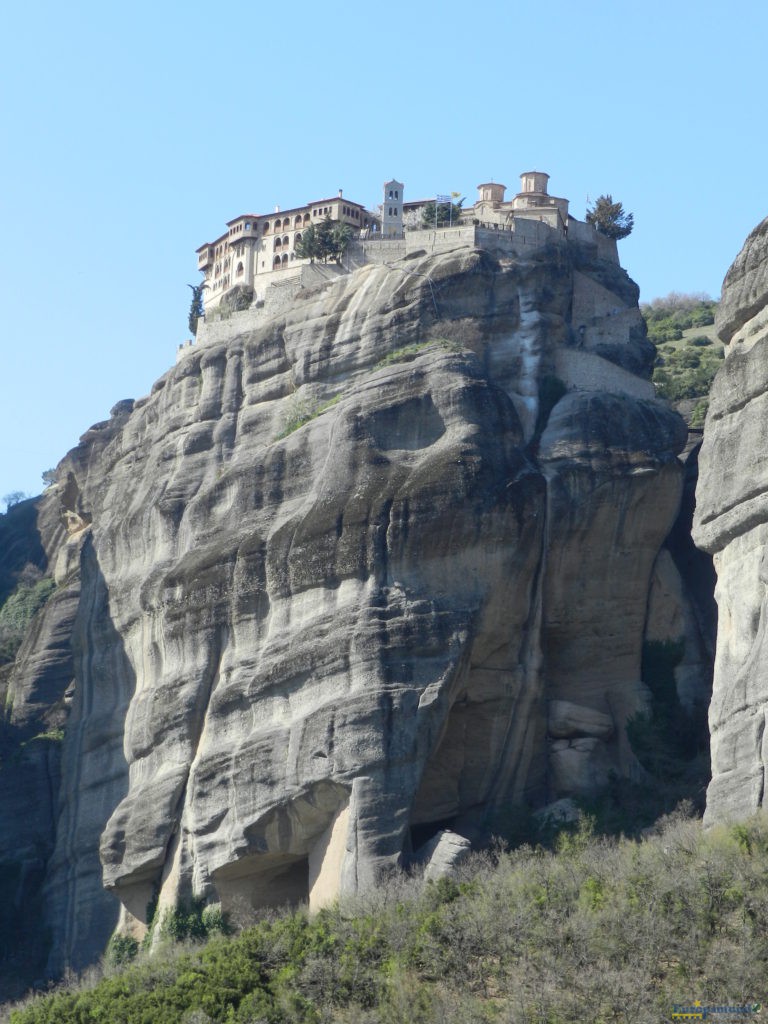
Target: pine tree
x=196, y=311
x=609, y=218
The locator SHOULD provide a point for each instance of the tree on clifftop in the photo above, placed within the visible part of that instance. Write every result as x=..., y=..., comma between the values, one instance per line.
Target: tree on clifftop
x=609, y=218
x=196, y=306
x=440, y=215
x=308, y=247
x=327, y=240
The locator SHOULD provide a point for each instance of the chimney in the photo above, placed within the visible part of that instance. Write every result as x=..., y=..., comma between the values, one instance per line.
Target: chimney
x=340, y=193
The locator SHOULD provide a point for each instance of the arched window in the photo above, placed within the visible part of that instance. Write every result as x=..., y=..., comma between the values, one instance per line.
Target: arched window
x=285, y=259
x=278, y=244
x=277, y=261
x=306, y=218
x=240, y=269
x=285, y=240
x=287, y=222
x=297, y=221
x=266, y=227
x=297, y=239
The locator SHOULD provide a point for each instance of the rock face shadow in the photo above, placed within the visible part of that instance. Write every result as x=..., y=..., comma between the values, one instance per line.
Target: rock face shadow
x=81, y=914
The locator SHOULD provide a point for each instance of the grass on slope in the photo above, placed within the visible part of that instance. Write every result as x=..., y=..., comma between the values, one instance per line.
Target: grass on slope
x=689, y=353
x=599, y=930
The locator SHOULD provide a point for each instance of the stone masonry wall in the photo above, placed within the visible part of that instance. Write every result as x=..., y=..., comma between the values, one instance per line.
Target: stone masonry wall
x=524, y=237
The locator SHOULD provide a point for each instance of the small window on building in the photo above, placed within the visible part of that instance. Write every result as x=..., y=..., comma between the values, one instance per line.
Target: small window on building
x=240, y=269
x=266, y=226
x=285, y=240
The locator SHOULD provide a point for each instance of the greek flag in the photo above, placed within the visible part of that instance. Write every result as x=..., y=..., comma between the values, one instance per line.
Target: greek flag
x=442, y=199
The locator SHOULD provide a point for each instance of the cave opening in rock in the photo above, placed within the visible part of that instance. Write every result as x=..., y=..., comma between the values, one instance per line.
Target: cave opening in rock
x=426, y=830
x=244, y=890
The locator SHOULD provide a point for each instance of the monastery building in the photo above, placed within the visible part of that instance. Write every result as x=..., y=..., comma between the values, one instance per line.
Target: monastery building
x=258, y=250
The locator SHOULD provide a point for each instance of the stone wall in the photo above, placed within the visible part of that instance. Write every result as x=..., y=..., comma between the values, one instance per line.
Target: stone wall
x=378, y=251
x=278, y=296
x=523, y=237
x=584, y=371
x=579, y=231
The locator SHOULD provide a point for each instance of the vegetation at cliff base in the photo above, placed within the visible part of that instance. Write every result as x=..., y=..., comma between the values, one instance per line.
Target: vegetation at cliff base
x=595, y=930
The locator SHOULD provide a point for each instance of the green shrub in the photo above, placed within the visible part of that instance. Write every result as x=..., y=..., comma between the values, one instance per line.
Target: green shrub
x=667, y=318
x=700, y=341
x=192, y=919
x=604, y=930
x=121, y=950
x=18, y=611
x=687, y=359
x=301, y=411
x=699, y=414
x=405, y=354
x=687, y=373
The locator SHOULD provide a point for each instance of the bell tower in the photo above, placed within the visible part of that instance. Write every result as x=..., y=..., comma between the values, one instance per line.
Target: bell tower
x=392, y=210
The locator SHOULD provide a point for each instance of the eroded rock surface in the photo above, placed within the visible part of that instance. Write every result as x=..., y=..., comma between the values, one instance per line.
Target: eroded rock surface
x=732, y=523
x=370, y=571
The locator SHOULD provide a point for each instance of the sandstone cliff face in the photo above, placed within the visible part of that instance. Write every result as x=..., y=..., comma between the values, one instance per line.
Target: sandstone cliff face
x=297, y=657
x=732, y=523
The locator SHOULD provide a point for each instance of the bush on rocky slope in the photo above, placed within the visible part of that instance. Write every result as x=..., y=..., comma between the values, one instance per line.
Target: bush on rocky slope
x=598, y=930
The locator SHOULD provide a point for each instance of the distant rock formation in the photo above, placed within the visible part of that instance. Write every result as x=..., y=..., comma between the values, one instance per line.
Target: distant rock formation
x=365, y=574
x=732, y=523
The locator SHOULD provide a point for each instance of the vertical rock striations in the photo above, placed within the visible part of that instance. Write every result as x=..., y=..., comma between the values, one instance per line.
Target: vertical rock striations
x=732, y=523
x=369, y=571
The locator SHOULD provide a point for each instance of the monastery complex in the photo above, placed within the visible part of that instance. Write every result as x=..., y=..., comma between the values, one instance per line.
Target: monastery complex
x=255, y=263
x=256, y=246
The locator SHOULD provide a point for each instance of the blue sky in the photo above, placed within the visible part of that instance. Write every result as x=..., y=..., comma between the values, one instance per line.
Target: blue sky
x=132, y=133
